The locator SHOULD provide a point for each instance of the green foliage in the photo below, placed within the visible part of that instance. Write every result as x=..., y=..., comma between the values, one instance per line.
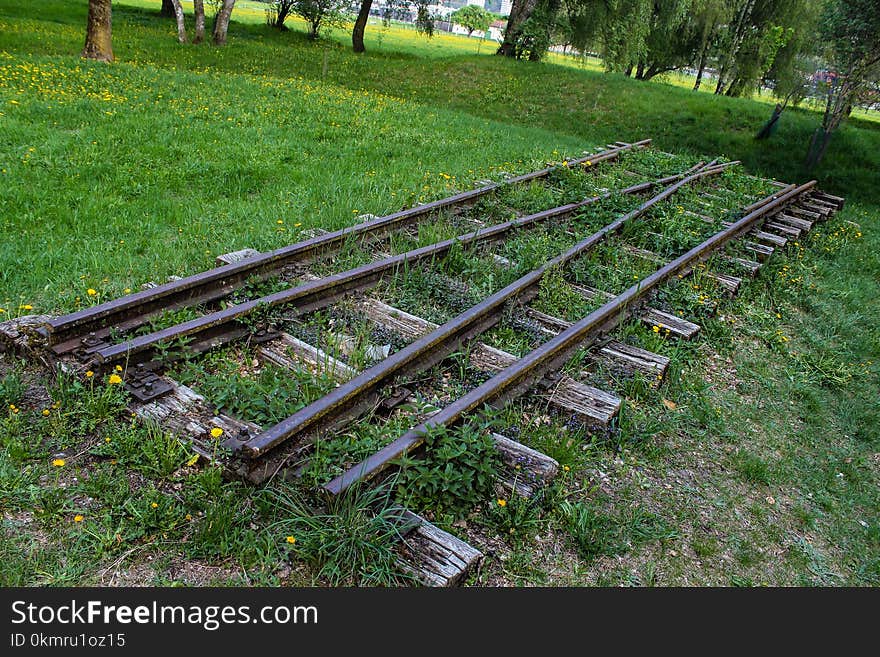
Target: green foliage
x=351, y=543
x=517, y=519
x=320, y=14
x=264, y=396
x=11, y=389
x=472, y=18
x=455, y=474
x=148, y=449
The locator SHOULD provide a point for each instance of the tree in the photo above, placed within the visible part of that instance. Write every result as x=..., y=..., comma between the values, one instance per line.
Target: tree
x=199, y=12
x=748, y=46
x=424, y=20
x=670, y=42
x=707, y=17
x=277, y=12
x=181, y=25
x=471, y=18
x=320, y=13
x=167, y=8
x=221, y=22
x=520, y=11
x=360, y=24
x=851, y=30
x=99, y=41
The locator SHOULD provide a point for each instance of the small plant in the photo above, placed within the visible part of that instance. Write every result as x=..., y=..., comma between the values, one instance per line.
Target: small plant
x=556, y=298
x=594, y=533
x=517, y=518
x=12, y=389
x=352, y=543
x=150, y=450
x=456, y=473
x=49, y=504
x=264, y=396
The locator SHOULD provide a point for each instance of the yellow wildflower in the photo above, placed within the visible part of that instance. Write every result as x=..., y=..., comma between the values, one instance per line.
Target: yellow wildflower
x=46, y=411
x=58, y=463
x=291, y=539
x=192, y=460
x=655, y=328
x=114, y=379
x=91, y=292
x=216, y=432
x=90, y=374
x=78, y=518
x=26, y=306
x=154, y=505
x=118, y=368
x=127, y=290
x=280, y=221
x=502, y=502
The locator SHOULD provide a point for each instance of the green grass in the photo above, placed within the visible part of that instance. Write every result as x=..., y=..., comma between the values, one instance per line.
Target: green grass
x=763, y=470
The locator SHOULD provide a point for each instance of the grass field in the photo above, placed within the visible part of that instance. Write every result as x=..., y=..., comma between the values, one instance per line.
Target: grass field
x=766, y=470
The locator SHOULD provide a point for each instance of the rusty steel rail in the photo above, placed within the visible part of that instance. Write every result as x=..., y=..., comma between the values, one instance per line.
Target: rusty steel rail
x=350, y=399
x=537, y=364
x=65, y=332
x=221, y=326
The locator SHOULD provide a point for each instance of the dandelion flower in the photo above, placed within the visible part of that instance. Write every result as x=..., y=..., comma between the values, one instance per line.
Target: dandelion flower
x=655, y=328
x=114, y=379
x=78, y=518
x=280, y=221
x=291, y=539
x=154, y=505
x=565, y=468
x=26, y=306
x=58, y=463
x=2, y=310
x=502, y=502
x=91, y=292
x=90, y=374
x=216, y=432
x=46, y=411
x=118, y=368
x=127, y=290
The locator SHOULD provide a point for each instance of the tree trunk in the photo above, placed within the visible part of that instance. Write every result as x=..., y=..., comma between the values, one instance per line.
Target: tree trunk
x=705, y=44
x=740, y=28
x=640, y=71
x=818, y=146
x=99, y=42
x=167, y=8
x=360, y=24
x=199, y=10
x=519, y=14
x=221, y=25
x=181, y=25
x=704, y=55
x=629, y=71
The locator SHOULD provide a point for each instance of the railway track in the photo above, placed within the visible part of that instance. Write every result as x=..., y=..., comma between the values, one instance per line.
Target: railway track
x=628, y=266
